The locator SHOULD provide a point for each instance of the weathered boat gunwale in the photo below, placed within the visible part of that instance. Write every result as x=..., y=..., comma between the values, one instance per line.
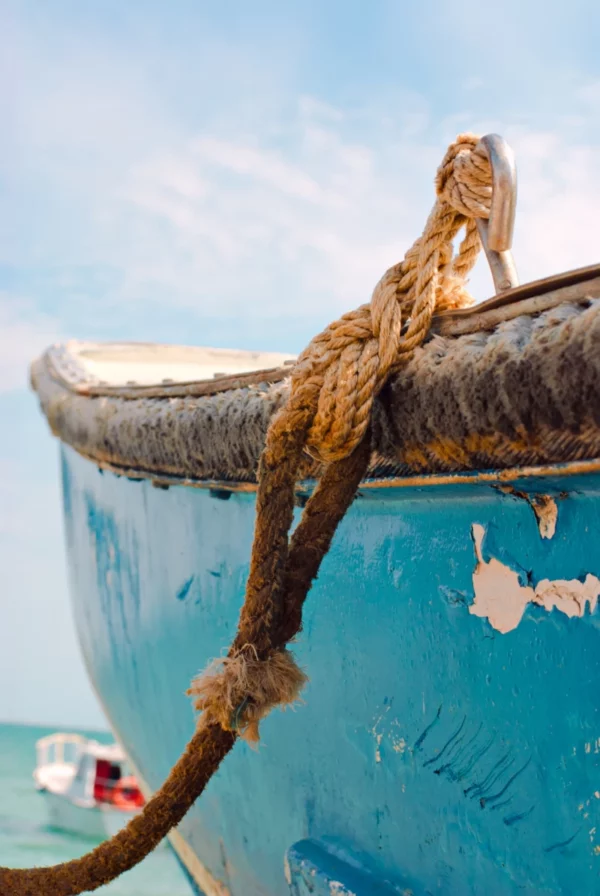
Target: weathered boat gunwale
x=524, y=393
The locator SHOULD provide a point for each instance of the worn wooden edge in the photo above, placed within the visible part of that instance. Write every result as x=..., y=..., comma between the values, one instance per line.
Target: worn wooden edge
x=489, y=318
x=72, y=376
x=530, y=299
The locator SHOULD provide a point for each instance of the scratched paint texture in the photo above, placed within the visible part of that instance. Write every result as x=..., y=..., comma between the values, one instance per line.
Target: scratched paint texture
x=450, y=758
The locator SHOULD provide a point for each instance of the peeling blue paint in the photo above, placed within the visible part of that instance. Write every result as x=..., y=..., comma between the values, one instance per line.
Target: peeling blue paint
x=445, y=754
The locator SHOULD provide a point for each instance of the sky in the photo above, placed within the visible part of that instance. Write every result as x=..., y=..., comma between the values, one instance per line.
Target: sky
x=238, y=174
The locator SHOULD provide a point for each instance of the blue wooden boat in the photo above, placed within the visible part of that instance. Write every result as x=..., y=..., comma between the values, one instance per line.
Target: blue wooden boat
x=449, y=741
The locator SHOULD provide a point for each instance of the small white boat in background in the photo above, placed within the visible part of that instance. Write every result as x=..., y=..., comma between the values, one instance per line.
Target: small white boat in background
x=87, y=785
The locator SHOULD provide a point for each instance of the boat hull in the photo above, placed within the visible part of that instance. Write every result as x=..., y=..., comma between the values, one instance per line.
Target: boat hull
x=94, y=822
x=450, y=737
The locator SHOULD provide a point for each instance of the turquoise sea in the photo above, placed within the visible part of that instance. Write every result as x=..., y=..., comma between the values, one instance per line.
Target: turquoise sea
x=26, y=840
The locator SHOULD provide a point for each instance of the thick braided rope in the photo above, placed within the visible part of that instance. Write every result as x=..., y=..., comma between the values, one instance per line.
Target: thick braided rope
x=345, y=366
x=334, y=385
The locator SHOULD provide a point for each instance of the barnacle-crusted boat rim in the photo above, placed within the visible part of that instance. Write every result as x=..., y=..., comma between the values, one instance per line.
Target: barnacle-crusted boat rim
x=514, y=381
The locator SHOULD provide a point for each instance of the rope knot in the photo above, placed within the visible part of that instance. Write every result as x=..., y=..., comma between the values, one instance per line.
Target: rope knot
x=464, y=179
x=238, y=691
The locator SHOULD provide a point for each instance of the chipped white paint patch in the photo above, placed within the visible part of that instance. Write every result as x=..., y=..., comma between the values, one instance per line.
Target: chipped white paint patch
x=585, y=806
x=501, y=599
x=499, y=596
x=544, y=507
x=335, y=887
x=287, y=871
x=378, y=734
x=378, y=739
x=546, y=511
x=385, y=730
x=571, y=597
x=399, y=744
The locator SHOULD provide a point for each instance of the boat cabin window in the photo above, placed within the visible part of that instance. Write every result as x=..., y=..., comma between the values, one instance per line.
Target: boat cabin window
x=107, y=775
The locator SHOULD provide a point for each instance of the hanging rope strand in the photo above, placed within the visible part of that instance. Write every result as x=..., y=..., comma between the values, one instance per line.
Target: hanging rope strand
x=333, y=387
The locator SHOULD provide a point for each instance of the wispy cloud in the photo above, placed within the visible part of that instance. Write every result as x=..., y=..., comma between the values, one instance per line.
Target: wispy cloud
x=293, y=204
x=236, y=227
x=262, y=229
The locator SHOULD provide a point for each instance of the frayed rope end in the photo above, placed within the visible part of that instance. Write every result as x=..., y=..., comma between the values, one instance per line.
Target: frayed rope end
x=239, y=691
